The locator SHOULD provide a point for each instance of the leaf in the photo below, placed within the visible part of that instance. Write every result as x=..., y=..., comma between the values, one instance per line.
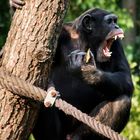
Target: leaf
x=88, y=55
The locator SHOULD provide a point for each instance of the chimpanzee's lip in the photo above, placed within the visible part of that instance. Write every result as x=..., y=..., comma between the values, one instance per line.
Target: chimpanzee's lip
x=113, y=35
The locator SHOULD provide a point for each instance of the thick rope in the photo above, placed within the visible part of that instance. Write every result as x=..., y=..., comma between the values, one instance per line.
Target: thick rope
x=89, y=121
x=22, y=88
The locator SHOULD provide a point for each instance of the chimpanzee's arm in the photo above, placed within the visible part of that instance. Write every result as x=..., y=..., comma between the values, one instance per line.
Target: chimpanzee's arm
x=117, y=81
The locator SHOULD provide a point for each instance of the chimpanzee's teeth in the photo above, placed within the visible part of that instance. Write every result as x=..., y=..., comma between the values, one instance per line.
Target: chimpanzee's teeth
x=121, y=36
x=110, y=53
x=106, y=52
x=115, y=37
x=107, y=49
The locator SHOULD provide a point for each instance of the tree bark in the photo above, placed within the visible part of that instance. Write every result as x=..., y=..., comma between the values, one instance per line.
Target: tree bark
x=28, y=52
x=130, y=35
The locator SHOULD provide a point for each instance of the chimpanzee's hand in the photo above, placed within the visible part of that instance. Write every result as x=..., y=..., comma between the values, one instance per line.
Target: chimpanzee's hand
x=89, y=70
x=79, y=62
x=76, y=60
x=16, y=3
x=91, y=74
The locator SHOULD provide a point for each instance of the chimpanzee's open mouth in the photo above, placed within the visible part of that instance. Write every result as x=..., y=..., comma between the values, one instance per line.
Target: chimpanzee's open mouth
x=113, y=35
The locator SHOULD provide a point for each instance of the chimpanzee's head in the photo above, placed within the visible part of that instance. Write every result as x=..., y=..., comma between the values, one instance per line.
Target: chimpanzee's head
x=99, y=29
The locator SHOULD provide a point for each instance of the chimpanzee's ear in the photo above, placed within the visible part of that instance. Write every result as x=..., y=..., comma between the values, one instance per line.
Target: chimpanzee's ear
x=87, y=23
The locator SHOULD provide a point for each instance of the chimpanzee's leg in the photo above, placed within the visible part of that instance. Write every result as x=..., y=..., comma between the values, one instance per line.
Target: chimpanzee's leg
x=48, y=125
x=114, y=113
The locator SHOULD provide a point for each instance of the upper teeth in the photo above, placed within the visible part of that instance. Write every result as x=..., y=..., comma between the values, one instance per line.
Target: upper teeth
x=115, y=37
x=121, y=36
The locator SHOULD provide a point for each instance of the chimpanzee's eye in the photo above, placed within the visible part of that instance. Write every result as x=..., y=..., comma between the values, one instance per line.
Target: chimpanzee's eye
x=109, y=21
x=115, y=20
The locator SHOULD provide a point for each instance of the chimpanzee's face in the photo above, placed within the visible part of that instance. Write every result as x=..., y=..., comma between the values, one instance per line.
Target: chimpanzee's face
x=101, y=30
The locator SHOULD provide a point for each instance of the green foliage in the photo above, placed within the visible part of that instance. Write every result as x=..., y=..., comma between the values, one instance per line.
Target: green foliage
x=79, y=6
x=4, y=21
x=132, y=129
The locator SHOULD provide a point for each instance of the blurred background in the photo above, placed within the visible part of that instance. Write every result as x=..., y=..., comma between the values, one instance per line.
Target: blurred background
x=128, y=12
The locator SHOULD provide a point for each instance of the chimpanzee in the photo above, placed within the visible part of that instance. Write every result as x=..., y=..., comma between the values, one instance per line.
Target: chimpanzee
x=91, y=72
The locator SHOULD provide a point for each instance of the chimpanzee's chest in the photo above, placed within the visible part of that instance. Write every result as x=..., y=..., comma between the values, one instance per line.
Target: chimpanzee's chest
x=76, y=91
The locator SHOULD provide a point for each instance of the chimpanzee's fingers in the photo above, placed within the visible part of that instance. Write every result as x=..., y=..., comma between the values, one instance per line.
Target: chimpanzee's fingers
x=81, y=53
x=89, y=58
x=92, y=59
x=80, y=57
x=74, y=55
x=17, y=3
x=74, y=52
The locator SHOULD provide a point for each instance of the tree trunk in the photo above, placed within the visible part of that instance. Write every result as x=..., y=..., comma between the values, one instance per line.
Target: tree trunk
x=130, y=35
x=27, y=54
